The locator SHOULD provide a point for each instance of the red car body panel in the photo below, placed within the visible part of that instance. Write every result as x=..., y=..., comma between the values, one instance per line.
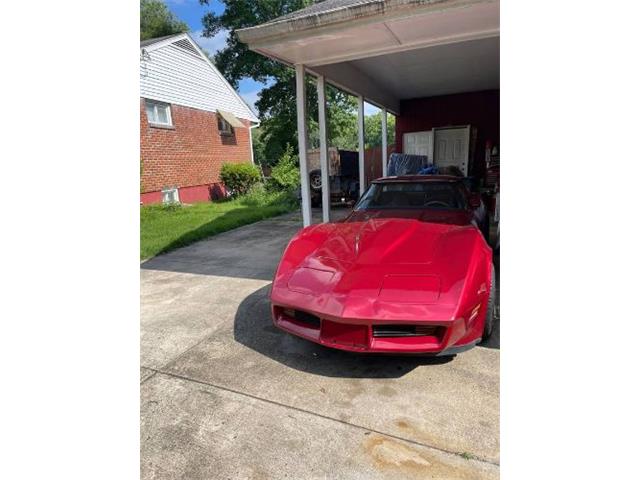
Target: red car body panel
x=344, y=284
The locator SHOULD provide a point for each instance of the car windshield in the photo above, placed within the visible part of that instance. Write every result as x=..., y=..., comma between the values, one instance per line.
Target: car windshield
x=433, y=194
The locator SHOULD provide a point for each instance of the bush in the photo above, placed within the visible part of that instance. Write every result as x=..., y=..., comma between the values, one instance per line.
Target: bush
x=285, y=175
x=258, y=196
x=239, y=177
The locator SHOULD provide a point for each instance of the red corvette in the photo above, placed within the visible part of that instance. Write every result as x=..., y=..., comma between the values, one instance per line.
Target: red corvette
x=407, y=271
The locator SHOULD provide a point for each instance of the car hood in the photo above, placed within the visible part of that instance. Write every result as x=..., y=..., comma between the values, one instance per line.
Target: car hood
x=389, y=241
x=377, y=268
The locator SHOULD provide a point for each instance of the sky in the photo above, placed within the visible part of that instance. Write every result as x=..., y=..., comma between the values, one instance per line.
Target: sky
x=191, y=12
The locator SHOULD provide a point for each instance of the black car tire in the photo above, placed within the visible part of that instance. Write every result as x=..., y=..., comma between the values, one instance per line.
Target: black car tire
x=486, y=230
x=491, y=307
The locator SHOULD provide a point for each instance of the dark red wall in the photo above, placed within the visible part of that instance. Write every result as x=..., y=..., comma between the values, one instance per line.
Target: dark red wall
x=478, y=109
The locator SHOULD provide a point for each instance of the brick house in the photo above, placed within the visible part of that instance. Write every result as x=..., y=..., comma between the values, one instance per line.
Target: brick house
x=191, y=122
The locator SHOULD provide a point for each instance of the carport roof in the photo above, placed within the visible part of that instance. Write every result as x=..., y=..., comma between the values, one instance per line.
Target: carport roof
x=330, y=12
x=323, y=6
x=389, y=50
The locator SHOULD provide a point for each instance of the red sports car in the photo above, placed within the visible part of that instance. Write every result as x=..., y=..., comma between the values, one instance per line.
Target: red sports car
x=407, y=271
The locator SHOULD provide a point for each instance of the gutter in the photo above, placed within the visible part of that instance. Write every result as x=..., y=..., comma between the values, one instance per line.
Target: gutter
x=365, y=12
x=251, y=127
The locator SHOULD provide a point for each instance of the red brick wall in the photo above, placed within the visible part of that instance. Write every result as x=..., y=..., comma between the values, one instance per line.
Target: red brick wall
x=478, y=109
x=190, y=154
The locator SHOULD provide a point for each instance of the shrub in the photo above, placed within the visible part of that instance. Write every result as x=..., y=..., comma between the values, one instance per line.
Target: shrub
x=239, y=177
x=258, y=196
x=285, y=175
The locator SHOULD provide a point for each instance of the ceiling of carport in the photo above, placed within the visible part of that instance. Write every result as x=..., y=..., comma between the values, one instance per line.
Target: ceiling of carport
x=440, y=70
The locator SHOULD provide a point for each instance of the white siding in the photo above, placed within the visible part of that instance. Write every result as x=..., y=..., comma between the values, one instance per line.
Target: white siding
x=173, y=75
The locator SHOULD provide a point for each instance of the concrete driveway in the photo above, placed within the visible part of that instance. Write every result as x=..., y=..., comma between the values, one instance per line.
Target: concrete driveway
x=225, y=395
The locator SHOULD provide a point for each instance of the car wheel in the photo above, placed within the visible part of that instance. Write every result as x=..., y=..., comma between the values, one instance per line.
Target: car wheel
x=315, y=179
x=491, y=307
x=486, y=230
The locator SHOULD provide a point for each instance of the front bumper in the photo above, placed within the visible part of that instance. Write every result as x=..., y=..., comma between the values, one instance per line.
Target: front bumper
x=361, y=335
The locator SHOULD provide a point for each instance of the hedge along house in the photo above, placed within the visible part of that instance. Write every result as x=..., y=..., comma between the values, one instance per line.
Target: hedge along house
x=432, y=63
x=191, y=122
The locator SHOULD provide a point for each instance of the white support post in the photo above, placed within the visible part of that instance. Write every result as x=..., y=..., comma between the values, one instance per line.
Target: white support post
x=361, y=142
x=301, y=107
x=324, y=149
x=384, y=142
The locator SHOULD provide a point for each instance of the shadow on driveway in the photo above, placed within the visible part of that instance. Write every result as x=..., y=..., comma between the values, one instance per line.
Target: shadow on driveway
x=253, y=328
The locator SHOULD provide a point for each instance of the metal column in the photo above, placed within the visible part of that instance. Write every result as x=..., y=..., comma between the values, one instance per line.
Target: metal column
x=384, y=142
x=324, y=149
x=361, y=142
x=301, y=107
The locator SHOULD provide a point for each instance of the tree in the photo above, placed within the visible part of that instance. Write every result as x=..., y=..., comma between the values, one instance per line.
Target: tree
x=156, y=20
x=259, y=156
x=277, y=101
x=373, y=130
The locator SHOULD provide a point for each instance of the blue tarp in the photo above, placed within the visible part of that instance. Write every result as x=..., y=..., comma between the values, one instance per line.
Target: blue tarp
x=405, y=164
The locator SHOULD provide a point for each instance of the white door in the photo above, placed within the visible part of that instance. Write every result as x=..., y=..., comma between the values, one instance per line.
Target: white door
x=451, y=148
x=418, y=143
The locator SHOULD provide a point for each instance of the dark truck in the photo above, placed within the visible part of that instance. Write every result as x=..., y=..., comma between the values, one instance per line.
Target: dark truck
x=343, y=177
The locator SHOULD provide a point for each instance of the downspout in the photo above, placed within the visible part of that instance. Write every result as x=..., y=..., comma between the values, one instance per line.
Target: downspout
x=251, y=141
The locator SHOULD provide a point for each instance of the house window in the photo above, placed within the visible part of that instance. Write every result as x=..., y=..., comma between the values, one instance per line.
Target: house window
x=224, y=127
x=158, y=113
x=170, y=196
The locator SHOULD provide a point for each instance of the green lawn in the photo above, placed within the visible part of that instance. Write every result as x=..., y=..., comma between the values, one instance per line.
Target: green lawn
x=164, y=228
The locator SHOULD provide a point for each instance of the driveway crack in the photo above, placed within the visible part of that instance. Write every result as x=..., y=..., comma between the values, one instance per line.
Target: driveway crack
x=309, y=412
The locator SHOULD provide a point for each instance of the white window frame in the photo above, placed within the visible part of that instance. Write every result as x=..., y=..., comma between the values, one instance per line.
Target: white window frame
x=227, y=127
x=170, y=196
x=155, y=104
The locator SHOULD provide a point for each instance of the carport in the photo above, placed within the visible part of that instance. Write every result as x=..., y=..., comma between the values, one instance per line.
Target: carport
x=432, y=63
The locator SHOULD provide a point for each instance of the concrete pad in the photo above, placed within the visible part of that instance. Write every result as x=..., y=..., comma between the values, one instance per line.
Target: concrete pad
x=194, y=431
x=179, y=310
x=246, y=252
x=145, y=373
x=448, y=404
x=205, y=323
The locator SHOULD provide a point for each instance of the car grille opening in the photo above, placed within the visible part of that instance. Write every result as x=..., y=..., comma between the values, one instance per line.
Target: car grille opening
x=305, y=318
x=405, y=330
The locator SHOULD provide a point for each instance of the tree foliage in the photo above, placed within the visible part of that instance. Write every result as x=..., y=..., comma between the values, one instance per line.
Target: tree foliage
x=285, y=175
x=276, y=102
x=156, y=20
x=373, y=130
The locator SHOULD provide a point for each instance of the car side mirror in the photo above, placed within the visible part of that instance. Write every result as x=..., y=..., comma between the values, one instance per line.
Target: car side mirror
x=474, y=200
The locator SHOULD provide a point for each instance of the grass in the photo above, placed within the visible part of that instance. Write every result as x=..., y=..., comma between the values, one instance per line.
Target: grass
x=166, y=227
x=468, y=456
